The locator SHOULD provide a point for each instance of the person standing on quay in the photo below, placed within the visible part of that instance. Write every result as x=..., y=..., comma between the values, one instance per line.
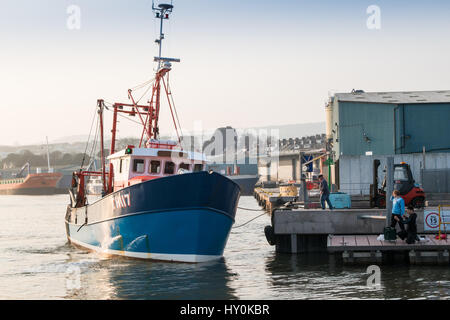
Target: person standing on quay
x=324, y=193
x=398, y=210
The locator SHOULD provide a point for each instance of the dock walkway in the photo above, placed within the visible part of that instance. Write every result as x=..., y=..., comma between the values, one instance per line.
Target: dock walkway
x=270, y=198
x=366, y=248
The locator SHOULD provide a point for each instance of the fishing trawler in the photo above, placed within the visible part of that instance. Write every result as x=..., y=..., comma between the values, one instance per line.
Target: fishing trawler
x=157, y=201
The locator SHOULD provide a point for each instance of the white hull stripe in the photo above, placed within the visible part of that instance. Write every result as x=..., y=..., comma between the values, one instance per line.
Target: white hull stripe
x=192, y=258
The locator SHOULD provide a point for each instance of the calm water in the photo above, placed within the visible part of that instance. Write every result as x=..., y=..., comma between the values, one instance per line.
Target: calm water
x=37, y=263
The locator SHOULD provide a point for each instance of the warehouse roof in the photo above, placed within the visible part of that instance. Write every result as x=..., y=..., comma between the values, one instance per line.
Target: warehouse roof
x=408, y=97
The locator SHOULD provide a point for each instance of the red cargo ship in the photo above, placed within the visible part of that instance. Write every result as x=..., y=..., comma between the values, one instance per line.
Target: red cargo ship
x=31, y=184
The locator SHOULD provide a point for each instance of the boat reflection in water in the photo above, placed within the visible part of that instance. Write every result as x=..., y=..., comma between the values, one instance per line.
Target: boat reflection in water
x=137, y=279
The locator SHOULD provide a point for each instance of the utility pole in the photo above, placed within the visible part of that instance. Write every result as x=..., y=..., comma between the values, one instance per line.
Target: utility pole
x=303, y=192
x=389, y=188
x=48, y=156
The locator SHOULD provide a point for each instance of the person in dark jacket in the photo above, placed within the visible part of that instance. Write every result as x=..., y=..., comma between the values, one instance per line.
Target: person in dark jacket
x=324, y=193
x=410, y=222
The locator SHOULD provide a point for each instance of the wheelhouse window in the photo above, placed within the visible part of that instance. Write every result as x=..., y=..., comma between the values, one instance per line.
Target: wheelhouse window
x=139, y=165
x=155, y=167
x=185, y=166
x=169, y=167
x=198, y=167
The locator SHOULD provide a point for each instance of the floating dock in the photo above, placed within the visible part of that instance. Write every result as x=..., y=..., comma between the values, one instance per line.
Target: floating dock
x=356, y=249
x=271, y=198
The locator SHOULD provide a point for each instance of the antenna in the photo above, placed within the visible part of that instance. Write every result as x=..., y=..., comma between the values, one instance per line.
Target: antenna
x=162, y=12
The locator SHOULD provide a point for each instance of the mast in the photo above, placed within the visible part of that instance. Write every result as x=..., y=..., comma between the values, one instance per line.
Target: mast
x=148, y=114
x=101, y=104
x=48, y=156
x=162, y=12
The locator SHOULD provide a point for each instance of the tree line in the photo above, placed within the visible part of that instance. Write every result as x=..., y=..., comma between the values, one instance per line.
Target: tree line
x=57, y=158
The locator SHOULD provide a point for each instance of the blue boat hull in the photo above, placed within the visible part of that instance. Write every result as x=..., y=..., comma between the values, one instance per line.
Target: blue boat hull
x=182, y=218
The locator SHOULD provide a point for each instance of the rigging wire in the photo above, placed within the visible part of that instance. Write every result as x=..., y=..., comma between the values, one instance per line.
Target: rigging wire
x=95, y=142
x=142, y=85
x=89, y=137
x=146, y=91
x=171, y=110
x=126, y=118
x=169, y=90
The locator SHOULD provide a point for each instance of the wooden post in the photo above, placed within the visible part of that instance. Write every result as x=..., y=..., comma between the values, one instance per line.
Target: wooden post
x=389, y=188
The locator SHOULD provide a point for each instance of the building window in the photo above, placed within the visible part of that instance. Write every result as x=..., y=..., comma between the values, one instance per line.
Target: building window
x=155, y=167
x=139, y=165
x=185, y=166
x=198, y=167
x=120, y=166
x=169, y=168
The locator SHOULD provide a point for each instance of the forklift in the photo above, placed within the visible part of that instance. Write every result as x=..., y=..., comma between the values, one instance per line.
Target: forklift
x=404, y=182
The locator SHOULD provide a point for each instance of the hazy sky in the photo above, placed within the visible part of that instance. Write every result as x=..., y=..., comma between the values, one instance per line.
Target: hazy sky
x=244, y=63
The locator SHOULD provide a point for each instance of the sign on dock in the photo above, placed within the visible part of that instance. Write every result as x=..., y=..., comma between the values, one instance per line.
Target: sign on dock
x=431, y=219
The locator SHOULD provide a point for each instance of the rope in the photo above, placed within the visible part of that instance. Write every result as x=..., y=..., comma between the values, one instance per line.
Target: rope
x=250, y=221
x=247, y=209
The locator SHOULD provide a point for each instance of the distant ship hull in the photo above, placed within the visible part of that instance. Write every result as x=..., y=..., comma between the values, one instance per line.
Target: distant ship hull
x=246, y=183
x=33, y=184
x=246, y=175
x=182, y=218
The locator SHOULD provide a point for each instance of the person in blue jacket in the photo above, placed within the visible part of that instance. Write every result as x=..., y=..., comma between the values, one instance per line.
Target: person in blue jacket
x=398, y=210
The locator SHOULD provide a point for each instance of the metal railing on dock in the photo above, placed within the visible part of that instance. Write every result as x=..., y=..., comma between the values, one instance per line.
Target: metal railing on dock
x=441, y=219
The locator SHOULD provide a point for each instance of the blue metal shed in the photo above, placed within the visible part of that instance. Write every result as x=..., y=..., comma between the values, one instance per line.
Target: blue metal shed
x=387, y=123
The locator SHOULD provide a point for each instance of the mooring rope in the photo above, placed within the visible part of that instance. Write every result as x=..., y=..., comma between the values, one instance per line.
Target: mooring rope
x=250, y=219
x=248, y=209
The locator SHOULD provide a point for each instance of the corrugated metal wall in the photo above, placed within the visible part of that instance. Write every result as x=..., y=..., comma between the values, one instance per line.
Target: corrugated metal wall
x=426, y=125
x=436, y=181
x=355, y=172
x=391, y=129
x=366, y=127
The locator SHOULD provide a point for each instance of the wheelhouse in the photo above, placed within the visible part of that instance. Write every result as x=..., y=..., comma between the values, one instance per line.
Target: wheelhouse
x=136, y=165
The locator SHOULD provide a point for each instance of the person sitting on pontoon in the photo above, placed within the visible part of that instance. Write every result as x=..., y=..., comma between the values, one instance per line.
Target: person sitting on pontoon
x=411, y=225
